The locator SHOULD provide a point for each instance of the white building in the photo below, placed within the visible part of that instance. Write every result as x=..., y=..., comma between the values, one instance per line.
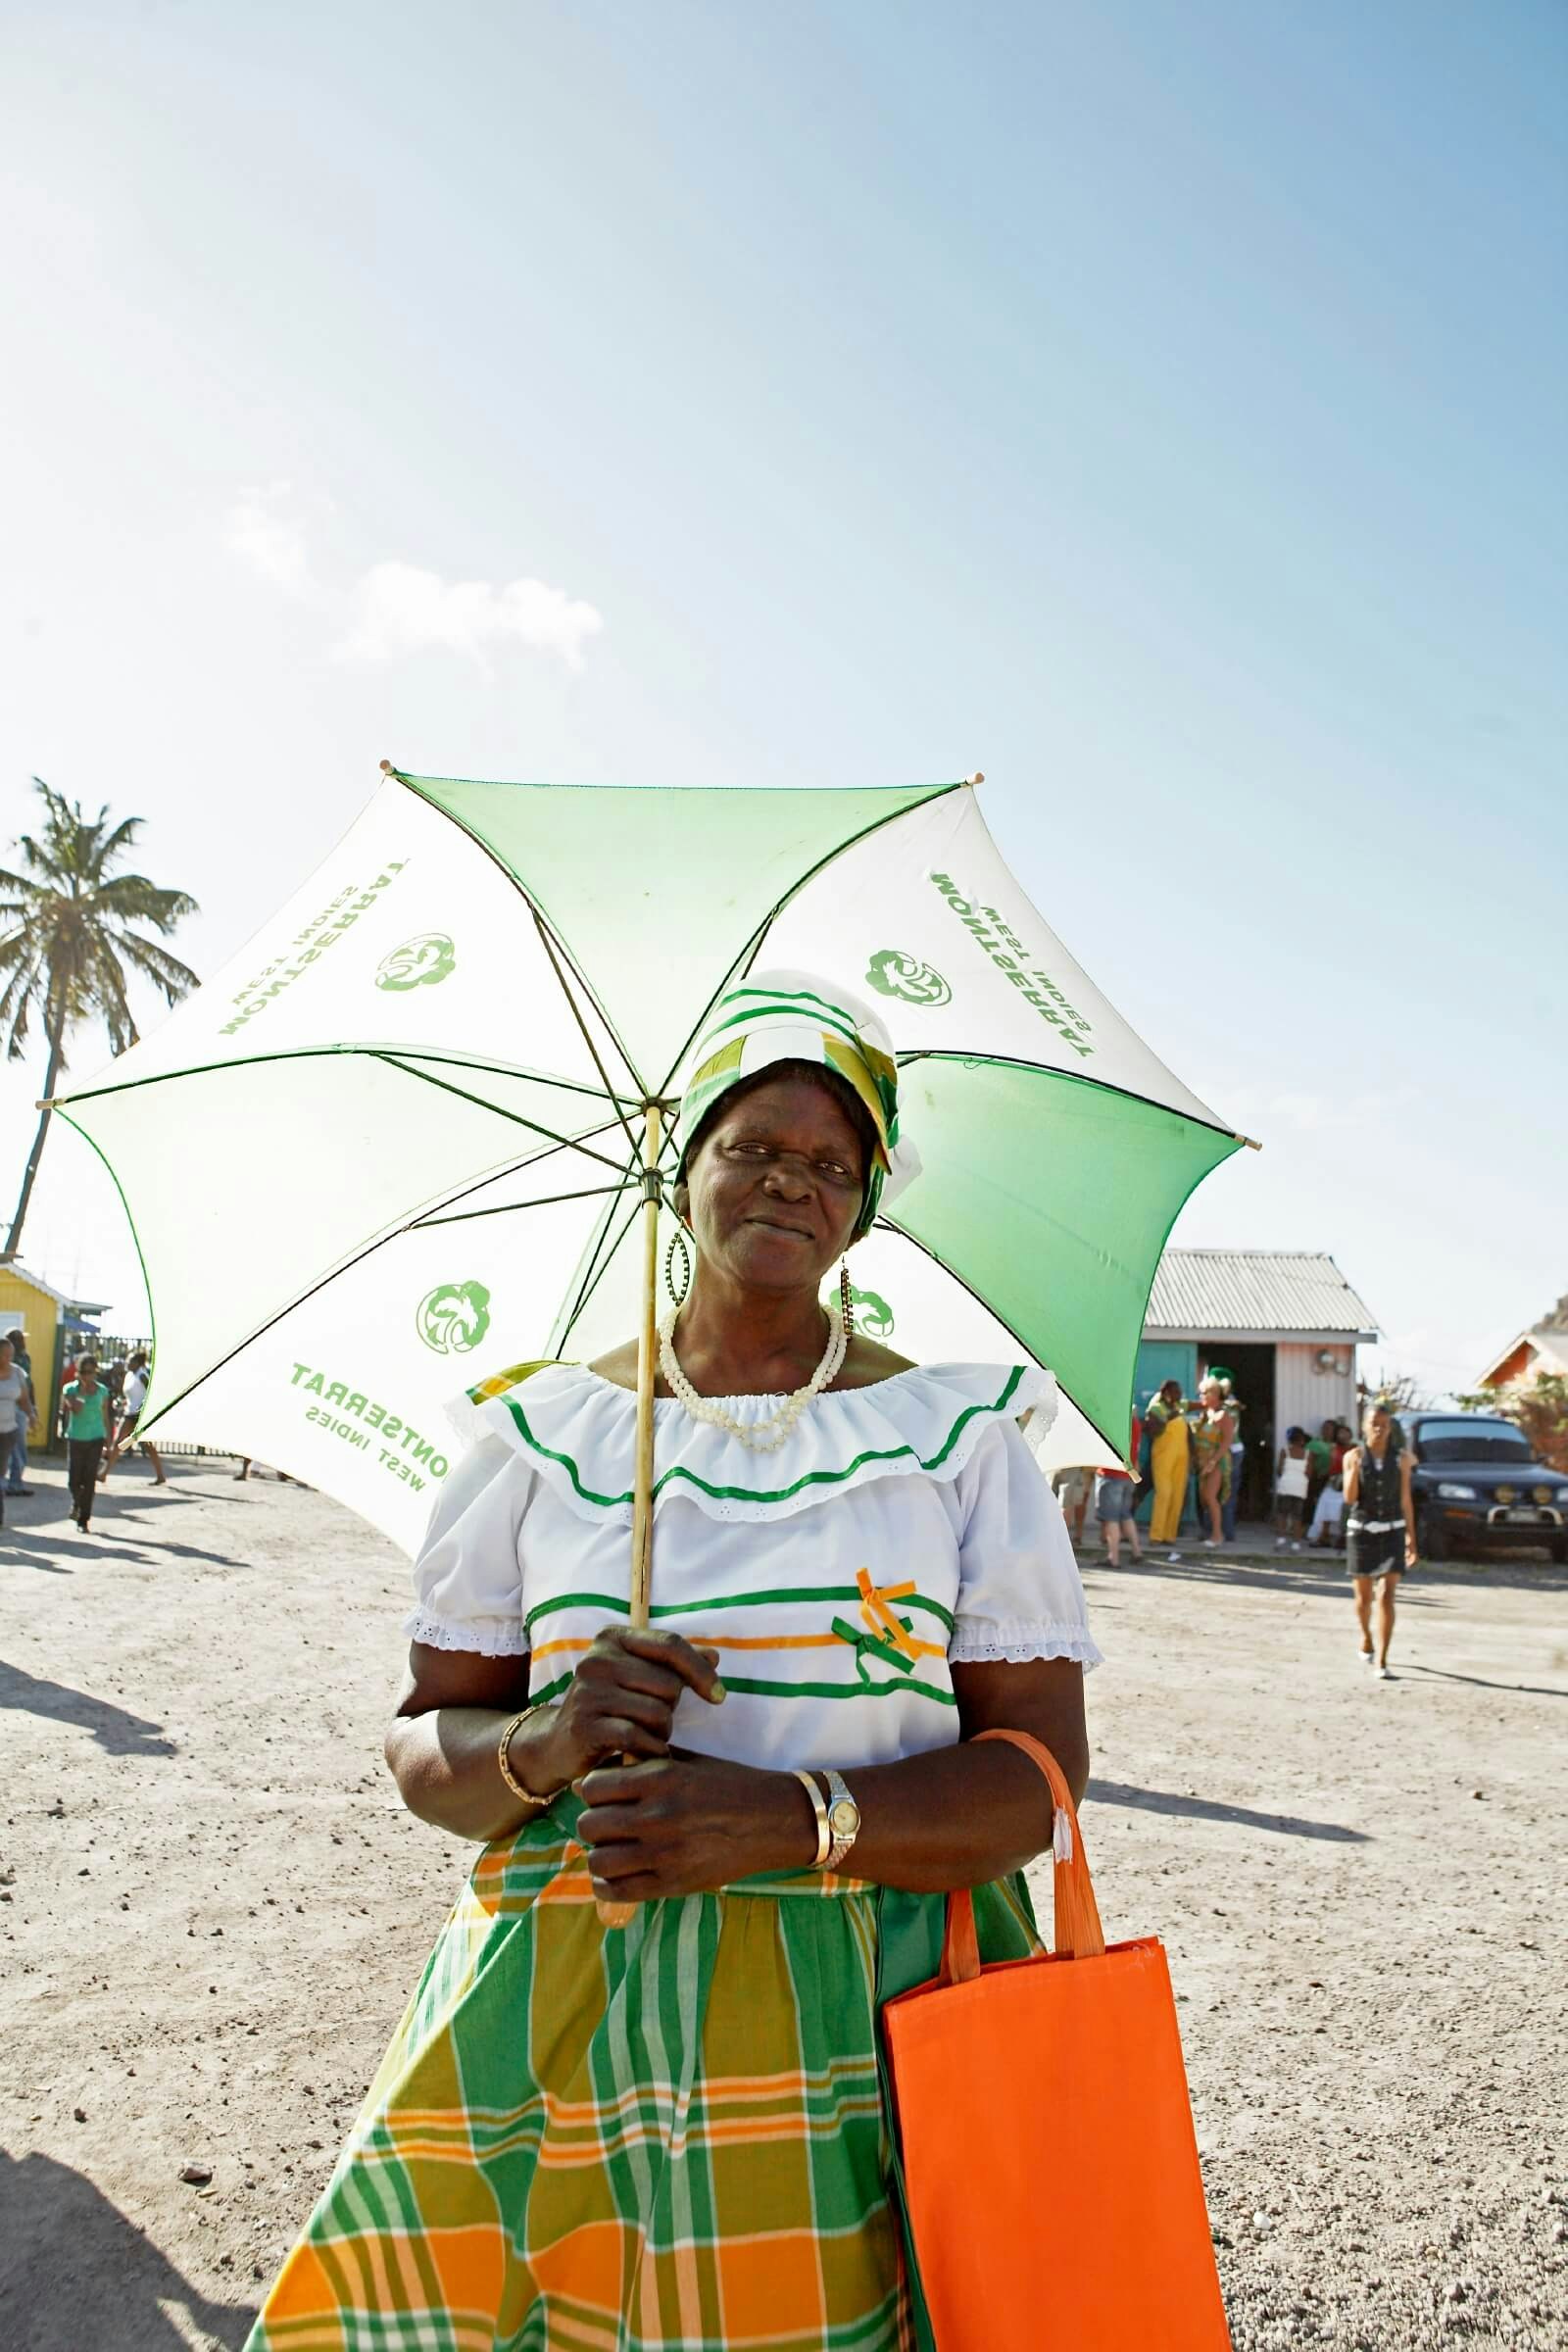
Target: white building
x=1283, y=1323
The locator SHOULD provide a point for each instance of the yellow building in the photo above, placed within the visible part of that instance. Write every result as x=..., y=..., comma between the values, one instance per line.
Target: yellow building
x=39, y=1312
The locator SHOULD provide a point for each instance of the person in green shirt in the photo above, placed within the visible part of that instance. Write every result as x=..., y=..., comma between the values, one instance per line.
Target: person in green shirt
x=86, y=1401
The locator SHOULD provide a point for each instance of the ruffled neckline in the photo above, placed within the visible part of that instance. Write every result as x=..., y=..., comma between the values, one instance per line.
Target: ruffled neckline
x=576, y=1430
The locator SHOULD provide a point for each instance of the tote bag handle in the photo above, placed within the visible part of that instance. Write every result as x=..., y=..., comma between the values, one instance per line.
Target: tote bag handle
x=1077, y=1933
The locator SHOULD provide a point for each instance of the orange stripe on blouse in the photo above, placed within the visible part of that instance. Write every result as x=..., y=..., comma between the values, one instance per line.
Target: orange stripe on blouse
x=906, y=1643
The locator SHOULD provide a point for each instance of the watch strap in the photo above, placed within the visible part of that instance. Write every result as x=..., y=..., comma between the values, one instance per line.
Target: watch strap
x=839, y=1794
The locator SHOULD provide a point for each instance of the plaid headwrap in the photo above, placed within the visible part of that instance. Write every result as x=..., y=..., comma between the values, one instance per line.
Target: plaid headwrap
x=797, y=1017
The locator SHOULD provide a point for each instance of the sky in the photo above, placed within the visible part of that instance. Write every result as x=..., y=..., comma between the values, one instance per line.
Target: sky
x=1157, y=406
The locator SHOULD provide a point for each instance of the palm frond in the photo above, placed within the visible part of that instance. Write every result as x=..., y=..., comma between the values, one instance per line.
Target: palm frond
x=154, y=964
x=107, y=978
x=121, y=839
x=73, y=926
x=132, y=897
x=23, y=994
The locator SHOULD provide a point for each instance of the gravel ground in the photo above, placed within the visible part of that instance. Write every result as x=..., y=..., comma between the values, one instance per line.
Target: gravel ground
x=212, y=1908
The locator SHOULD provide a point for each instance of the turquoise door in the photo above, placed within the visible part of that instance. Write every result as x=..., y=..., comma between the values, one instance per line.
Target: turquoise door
x=1159, y=1360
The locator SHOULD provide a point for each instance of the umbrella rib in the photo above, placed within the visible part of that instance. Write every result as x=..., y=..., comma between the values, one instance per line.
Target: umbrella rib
x=598, y=1267
x=566, y=1141
x=332, y=1274
x=748, y=954
x=253, y=1061
x=412, y=784
x=951, y=1272
x=534, y=1160
x=1049, y=1069
x=509, y=1208
x=549, y=947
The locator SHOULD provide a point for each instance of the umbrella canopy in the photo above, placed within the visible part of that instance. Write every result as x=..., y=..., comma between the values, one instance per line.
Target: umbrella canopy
x=394, y=1148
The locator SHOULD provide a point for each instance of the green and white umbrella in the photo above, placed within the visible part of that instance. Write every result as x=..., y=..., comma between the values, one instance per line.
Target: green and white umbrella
x=394, y=1148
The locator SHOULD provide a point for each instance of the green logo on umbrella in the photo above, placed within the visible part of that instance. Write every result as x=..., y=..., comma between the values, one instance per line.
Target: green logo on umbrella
x=453, y=1317
x=872, y=1315
x=419, y=962
x=894, y=974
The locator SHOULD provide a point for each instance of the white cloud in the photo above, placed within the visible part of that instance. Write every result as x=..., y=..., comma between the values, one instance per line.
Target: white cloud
x=396, y=608
x=268, y=532
x=399, y=609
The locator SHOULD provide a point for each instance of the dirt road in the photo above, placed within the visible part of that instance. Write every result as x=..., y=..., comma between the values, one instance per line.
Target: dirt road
x=211, y=1908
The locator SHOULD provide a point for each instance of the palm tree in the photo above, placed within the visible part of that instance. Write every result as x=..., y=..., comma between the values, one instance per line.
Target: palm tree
x=66, y=938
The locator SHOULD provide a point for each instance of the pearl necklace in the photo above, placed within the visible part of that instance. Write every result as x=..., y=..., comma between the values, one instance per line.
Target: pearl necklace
x=757, y=1436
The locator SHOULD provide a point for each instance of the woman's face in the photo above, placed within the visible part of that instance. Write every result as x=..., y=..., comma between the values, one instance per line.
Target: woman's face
x=1376, y=1427
x=1172, y=1392
x=774, y=1192
x=1212, y=1395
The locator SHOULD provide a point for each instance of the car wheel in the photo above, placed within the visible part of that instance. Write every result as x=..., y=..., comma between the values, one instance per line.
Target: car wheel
x=1433, y=1537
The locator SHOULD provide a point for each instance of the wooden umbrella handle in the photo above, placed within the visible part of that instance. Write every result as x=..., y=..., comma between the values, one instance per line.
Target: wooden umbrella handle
x=618, y=1915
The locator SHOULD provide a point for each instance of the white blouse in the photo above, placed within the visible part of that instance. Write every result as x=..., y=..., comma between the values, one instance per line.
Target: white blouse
x=902, y=1528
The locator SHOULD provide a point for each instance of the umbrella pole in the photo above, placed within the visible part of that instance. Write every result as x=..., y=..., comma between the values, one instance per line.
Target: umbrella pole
x=618, y=1915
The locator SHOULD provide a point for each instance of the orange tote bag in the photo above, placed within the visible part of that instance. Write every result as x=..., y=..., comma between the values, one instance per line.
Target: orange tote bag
x=1050, y=2163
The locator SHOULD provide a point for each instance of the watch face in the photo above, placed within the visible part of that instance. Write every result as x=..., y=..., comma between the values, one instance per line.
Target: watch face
x=844, y=1817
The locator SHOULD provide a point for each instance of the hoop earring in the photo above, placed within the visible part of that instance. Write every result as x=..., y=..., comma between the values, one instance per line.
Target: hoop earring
x=846, y=1300
x=677, y=1240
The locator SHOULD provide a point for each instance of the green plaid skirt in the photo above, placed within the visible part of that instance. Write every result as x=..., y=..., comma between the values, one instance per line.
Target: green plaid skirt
x=667, y=2135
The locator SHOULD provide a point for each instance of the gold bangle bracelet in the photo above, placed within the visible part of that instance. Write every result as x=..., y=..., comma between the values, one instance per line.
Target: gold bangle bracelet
x=510, y=1777
x=824, y=1828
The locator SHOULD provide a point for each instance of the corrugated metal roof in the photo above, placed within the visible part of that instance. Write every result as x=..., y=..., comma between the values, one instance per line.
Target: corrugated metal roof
x=1209, y=1292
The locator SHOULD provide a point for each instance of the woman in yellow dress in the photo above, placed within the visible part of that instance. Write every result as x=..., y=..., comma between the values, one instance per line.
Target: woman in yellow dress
x=1170, y=1462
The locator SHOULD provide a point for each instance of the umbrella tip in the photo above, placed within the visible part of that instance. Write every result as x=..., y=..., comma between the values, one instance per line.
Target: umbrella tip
x=387, y=769
x=1251, y=1141
x=978, y=777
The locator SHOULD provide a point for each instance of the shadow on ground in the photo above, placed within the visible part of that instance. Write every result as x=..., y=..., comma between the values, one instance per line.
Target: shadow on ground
x=1203, y=1808
x=1480, y=1682
x=41, y=1548
x=74, y=2273
x=1324, y=1577
x=118, y=1732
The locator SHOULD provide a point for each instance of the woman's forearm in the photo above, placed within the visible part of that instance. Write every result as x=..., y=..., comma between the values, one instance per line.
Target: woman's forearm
x=678, y=1826
x=956, y=1816
x=447, y=1769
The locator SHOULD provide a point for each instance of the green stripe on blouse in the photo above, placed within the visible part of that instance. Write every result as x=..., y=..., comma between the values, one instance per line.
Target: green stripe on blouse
x=770, y=1690
x=738, y=1601
x=810, y=1478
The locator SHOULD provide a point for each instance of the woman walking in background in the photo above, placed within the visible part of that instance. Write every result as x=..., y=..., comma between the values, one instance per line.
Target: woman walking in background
x=86, y=1401
x=1170, y=1462
x=1379, y=1529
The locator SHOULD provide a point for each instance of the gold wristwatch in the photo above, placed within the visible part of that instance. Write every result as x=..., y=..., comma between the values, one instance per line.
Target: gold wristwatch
x=843, y=1819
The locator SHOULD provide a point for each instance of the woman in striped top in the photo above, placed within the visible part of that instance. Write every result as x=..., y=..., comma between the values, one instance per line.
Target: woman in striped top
x=674, y=2132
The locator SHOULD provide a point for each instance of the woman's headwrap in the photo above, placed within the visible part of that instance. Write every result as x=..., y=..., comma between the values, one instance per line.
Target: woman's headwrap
x=799, y=1017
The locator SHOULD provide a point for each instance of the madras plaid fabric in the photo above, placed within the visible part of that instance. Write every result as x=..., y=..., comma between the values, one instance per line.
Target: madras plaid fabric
x=668, y=2137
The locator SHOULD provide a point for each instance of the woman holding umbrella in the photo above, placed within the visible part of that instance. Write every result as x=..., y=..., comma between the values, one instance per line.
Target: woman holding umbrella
x=673, y=2131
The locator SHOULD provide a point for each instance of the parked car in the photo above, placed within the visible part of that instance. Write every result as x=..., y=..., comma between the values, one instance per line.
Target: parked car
x=1476, y=1483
